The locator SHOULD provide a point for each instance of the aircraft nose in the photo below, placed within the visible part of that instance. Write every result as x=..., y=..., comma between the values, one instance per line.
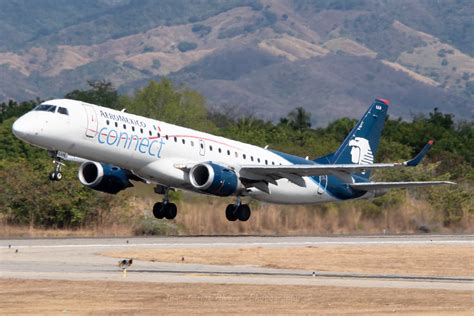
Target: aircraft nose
x=21, y=128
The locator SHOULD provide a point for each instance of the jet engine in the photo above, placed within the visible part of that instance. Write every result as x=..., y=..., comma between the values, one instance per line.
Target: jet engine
x=103, y=177
x=214, y=179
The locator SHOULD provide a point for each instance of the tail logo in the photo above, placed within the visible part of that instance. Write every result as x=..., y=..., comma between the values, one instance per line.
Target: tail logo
x=361, y=152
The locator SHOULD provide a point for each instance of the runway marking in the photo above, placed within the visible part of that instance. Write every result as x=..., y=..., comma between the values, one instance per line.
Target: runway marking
x=318, y=274
x=244, y=244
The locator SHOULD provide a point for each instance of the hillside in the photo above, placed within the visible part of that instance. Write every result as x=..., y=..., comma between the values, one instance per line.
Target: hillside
x=255, y=57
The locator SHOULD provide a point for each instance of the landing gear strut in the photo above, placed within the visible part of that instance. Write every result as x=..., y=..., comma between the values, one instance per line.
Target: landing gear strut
x=237, y=211
x=56, y=174
x=164, y=209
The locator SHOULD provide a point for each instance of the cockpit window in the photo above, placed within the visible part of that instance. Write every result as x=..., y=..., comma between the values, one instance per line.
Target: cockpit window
x=46, y=108
x=63, y=111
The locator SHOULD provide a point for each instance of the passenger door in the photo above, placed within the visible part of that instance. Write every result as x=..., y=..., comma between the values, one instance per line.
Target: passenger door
x=92, y=123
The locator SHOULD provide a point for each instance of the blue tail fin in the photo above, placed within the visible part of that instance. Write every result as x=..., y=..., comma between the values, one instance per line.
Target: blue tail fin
x=361, y=144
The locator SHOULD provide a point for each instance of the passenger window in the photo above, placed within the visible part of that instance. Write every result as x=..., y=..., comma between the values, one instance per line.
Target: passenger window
x=133, y=128
x=202, y=145
x=184, y=142
x=116, y=124
x=273, y=163
x=107, y=122
x=175, y=139
x=251, y=158
x=63, y=111
x=149, y=132
x=219, y=150
x=258, y=159
x=210, y=147
x=192, y=143
x=141, y=130
x=166, y=137
x=266, y=162
x=236, y=155
x=228, y=152
x=244, y=156
x=124, y=126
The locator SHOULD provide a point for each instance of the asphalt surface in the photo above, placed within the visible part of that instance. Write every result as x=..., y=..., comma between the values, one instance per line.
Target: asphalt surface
x=80, y=259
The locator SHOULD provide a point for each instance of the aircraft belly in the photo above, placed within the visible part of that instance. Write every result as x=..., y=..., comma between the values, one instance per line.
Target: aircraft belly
x=163, y=171
x=286, y=192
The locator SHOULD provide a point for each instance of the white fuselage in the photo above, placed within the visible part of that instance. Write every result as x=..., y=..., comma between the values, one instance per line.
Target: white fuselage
x=154, y=150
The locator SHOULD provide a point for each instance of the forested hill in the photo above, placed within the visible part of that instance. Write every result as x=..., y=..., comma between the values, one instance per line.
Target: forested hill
x=256, y=57
x=28, y=198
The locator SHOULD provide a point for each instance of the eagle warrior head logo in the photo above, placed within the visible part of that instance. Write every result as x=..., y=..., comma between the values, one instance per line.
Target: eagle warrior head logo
x=361, y=152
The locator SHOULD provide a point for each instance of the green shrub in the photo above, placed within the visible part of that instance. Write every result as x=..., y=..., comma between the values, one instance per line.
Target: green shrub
x=186, y=46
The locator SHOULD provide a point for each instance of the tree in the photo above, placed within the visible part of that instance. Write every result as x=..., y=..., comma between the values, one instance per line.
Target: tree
x=298, y=119
x=101, y=93
x=162, y=101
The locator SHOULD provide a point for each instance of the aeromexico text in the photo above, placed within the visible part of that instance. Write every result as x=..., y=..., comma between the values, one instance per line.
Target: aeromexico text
x=151, y=146
x=121, y=118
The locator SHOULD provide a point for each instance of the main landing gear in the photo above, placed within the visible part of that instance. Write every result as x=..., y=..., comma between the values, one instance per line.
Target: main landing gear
x=56, y=174
x=237, y=211
x=164, y=209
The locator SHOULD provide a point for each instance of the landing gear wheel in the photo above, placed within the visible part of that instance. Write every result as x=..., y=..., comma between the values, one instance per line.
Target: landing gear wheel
x=55, y=176
x=164, y=209
x=243, y=212
x=230, y=213
x=158, y=210
x=170, y=210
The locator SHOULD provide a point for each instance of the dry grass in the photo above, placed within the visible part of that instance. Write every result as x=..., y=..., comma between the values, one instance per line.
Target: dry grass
x=84, y=297
x=431, y=260
x=204, y=215
x=25, y=231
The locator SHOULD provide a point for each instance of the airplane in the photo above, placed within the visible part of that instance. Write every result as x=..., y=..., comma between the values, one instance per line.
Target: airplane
x=116, y=147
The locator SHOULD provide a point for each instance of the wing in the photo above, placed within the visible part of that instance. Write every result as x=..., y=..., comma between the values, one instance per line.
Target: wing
x=294, y=173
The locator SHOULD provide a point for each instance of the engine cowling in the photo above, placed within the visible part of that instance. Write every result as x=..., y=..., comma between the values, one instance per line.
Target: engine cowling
x=103, y=177
x=214, y=179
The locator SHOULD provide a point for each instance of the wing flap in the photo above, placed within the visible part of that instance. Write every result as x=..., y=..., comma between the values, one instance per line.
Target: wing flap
x=373, y=186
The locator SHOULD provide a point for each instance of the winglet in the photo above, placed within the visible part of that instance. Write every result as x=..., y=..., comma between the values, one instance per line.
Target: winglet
x=418, y=158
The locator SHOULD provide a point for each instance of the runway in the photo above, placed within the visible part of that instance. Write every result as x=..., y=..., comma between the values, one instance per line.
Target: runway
x=81, y=259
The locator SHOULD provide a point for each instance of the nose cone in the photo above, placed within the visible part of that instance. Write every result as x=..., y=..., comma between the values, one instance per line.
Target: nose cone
x=21, y=128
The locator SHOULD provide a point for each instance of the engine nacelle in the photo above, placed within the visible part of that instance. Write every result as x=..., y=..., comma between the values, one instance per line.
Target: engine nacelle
x=214, y=179
x=102, y=177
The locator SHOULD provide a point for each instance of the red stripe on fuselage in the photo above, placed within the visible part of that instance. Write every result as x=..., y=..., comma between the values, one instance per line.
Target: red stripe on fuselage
x=177, y=136
x=203, y=138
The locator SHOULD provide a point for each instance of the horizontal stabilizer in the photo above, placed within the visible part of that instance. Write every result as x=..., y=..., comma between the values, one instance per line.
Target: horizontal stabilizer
x=373, y=186
x=418, y=158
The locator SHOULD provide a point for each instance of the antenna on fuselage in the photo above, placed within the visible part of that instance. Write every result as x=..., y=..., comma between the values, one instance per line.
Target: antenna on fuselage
x=266, y=147
x=124, y=110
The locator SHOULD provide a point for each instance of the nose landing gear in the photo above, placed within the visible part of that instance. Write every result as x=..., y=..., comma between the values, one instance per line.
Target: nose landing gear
x=56, y=174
